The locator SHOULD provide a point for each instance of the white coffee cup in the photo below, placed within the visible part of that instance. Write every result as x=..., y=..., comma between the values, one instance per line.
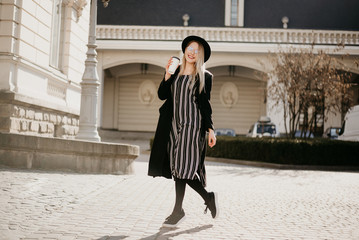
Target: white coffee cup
x=175, y=62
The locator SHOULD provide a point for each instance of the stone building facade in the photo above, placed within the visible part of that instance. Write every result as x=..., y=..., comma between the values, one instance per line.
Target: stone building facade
x=42, y=54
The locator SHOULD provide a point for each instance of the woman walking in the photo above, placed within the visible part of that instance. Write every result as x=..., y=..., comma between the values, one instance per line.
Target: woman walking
x=179, y=145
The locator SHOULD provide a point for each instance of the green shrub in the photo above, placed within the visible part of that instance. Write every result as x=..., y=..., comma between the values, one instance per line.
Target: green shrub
x=323, y=152
x=288, y=151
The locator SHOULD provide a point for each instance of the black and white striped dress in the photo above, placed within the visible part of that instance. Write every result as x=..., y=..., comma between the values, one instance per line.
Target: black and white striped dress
x=186, y=144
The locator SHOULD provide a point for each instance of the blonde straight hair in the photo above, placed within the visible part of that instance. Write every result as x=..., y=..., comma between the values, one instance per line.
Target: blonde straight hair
x=199, y=66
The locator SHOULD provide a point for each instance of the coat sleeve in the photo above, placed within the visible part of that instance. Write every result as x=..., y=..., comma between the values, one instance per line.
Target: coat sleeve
x=205, y=102
x=164, y=90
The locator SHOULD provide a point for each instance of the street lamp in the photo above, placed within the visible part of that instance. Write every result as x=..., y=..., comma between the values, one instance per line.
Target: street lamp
x=90, y=84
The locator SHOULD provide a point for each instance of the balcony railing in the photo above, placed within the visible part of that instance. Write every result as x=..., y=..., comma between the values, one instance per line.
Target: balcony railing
x=245, y=35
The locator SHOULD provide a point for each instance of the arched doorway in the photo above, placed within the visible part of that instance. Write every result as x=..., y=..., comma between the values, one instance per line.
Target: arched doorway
x=130, y=101
x=238, y=97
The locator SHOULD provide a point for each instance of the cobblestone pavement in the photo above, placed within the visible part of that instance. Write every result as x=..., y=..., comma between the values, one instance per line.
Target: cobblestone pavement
x=255, y=203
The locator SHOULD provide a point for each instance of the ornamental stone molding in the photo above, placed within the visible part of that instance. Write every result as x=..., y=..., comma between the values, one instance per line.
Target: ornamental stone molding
x=78, y=5
x=37, y=121
x=228, y=94
x=245, y=35
x=147, y=92
x=56, y=91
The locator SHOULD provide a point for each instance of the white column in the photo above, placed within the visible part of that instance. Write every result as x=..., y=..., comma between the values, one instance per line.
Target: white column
x=240, y=13
x=101, y=77
x=227, y=13
x=89, y=86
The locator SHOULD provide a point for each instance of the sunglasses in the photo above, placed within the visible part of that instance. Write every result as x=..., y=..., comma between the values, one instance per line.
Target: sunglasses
x=191, y=49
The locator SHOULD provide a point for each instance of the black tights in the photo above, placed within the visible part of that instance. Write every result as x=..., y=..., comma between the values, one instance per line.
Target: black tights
x=180, y=186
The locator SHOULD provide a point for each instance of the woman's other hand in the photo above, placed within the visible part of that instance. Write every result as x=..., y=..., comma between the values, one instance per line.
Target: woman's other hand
x=211, y=138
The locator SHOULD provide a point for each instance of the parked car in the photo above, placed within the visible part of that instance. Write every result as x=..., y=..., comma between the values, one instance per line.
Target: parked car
x=224, y=132
x=350, y=128
x=263, y=128
x=307, y=134
x=332, y=132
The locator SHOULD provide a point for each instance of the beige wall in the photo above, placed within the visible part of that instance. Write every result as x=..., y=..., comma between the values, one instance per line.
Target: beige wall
x=35, y=97
x=122, y=109
x=130, y=101
x=251, y=103
x=245, y=111
x=133, y=113
x=125, y=109
x=25, y=43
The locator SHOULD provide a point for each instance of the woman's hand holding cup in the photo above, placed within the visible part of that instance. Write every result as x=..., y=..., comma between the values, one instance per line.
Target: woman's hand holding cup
x=171, y=67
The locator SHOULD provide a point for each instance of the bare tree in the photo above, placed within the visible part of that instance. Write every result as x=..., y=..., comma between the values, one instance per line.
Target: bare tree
x=308, y=84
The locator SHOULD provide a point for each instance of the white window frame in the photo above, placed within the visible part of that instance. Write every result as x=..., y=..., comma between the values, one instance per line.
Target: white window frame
x=57, y=34
x=240, y=13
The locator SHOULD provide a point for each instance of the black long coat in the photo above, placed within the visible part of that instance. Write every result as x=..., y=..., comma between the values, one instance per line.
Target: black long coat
x=159, y=164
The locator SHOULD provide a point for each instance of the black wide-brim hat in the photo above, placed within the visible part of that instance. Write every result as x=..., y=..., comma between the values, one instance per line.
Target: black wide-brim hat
x=207, y=48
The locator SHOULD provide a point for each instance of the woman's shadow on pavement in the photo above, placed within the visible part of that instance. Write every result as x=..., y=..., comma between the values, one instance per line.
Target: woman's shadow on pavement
x=112, y=238
x=164, y=232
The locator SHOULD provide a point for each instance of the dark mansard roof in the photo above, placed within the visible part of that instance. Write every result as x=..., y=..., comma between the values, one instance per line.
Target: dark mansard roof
x=302, y=14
